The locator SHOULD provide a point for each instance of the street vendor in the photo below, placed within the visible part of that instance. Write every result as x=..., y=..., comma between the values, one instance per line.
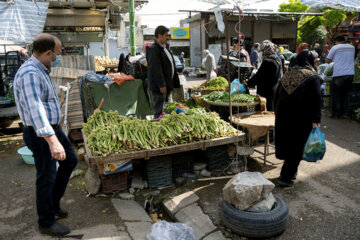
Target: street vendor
x=162, y=75
x=38, y=106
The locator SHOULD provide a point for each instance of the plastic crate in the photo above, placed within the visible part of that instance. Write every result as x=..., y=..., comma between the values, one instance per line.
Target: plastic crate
x=114, y=182
x=159, y=178
x=161, y=162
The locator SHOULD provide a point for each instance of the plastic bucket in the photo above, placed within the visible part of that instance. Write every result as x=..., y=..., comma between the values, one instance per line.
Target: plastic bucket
x=26, y=155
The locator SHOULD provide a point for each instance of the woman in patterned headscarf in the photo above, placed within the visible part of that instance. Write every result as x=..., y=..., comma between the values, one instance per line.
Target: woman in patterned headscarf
x=268, y=74
x=297, y=104
x=302, y=46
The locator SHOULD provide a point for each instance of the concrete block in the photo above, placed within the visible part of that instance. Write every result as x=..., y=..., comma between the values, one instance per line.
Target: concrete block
x=130, y=210
x=215, y=236
x=138, y=230
x=194, y=217
x=173, y=205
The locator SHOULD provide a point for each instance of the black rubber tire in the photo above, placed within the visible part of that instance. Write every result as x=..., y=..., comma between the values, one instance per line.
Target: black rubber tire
x=256, y=225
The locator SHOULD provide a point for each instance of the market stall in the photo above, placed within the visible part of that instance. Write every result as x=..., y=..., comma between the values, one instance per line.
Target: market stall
x=114, y=141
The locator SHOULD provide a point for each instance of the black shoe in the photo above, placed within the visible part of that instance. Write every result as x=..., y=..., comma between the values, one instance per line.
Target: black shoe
x=61, y=213
x=294, y=177
x=284, y=182
x=55, y=230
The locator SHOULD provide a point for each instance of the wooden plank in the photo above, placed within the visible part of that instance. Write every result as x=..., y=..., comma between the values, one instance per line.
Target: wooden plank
x=146, y=154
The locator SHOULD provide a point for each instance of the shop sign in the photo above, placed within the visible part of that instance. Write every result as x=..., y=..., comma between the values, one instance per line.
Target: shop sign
x=180, y=33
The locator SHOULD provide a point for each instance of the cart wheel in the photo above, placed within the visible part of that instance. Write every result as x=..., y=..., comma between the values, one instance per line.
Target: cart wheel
x=92, y=180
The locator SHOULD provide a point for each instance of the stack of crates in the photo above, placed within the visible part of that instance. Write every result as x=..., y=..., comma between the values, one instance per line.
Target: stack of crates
x=217, y=158
x=182, y=163
x=159, y=171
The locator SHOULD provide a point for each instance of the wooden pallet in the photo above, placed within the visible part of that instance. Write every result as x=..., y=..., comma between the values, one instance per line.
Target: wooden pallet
x=147, y=154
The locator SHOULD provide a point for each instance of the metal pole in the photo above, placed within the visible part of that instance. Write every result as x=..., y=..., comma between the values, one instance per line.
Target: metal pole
x=228, y=62
x=132, y=28
x=106, y=39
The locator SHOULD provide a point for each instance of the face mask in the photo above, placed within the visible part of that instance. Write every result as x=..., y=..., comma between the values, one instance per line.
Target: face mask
x=57, y=61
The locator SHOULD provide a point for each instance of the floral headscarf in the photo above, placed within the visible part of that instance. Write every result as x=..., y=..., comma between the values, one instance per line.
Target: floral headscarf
x=268, y=51
x=303, y=46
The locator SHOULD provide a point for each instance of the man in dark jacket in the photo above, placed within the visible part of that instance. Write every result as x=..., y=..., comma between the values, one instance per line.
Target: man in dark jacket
x=162, y=75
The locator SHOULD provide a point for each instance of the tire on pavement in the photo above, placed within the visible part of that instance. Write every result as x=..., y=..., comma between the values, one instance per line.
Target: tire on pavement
x=256, y=225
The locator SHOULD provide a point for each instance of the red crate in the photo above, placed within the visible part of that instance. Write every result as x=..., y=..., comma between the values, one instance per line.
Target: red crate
x=114, y=182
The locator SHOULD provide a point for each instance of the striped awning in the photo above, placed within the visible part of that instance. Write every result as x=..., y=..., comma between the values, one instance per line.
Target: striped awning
x=21, y=21
x=347, y=5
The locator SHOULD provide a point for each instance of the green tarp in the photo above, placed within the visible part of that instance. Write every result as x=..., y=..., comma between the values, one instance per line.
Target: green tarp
x=127, y=99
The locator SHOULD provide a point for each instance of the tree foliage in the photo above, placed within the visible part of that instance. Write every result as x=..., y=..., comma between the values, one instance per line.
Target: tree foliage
x=293, y=6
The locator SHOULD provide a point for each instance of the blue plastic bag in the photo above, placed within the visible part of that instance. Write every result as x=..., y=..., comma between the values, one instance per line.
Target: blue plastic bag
x=315, y=146
x=236, y=87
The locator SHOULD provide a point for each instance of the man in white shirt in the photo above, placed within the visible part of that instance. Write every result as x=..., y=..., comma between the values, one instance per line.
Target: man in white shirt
x=342, y=54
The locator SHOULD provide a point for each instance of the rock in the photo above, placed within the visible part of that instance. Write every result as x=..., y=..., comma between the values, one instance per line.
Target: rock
x=180, y=181
x=130, y=210
x=215, y=236
x=150, y=192
x=126, y=196
x=92, y=180
x=198, y=166
x=137, y=182
x=131, y=190
x=264, y=205
x=81, y=153
x=205, y=173
x=173, y=205
x=246, y=189
x=197, y=172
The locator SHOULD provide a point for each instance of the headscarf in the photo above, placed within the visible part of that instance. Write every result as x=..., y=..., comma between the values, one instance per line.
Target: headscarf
x=303, y=46
x=281, y=49
x=303, y=69
x=268, y=51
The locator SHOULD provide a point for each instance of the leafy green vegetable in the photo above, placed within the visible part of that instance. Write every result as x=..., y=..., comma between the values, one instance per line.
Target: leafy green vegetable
x=108, y=132
x=217, y=83
x=218, y=96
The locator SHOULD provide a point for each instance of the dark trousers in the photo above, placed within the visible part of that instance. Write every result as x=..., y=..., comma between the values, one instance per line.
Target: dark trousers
x=289, y=168
x=159, y=101
x=340, y=88
x=50, y=183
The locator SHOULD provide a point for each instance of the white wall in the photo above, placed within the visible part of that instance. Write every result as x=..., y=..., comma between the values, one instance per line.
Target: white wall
x=97, y=49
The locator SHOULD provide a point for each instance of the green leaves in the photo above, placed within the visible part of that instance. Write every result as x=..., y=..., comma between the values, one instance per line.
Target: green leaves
x=217, y=83
x=219, y=96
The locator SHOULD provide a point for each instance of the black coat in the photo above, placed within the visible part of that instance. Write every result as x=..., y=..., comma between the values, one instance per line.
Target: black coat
x=159, y=69
x=266, y=79
x=294, y=115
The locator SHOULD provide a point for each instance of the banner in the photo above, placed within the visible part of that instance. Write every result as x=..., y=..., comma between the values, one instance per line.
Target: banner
x=21, y=21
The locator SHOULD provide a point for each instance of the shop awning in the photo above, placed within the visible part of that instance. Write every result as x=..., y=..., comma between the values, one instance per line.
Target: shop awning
x=347, y=5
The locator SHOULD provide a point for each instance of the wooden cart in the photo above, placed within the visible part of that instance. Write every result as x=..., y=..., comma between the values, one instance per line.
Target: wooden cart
x=92, y=182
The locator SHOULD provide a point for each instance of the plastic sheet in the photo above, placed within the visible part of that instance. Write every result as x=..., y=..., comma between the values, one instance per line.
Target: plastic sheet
x=21, y=21
x=171, y=231
x=236, y=87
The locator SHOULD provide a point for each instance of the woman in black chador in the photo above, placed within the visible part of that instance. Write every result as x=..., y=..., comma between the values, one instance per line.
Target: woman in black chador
x=297, y=104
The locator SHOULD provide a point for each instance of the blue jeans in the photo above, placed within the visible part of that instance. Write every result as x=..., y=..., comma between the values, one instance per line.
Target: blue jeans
x=50, y=183
x=340, y=88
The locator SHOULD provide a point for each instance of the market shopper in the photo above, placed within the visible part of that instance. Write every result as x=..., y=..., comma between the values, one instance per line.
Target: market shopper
x=210, y=64
x=254, y=55
x=268, y=74
x=302, y=46
x=38, y=106
x=342, y=54
x=297, y=105
x=162, y=75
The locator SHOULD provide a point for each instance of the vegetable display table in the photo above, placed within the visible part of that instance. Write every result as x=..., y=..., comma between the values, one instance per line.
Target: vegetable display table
x=94, y=161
